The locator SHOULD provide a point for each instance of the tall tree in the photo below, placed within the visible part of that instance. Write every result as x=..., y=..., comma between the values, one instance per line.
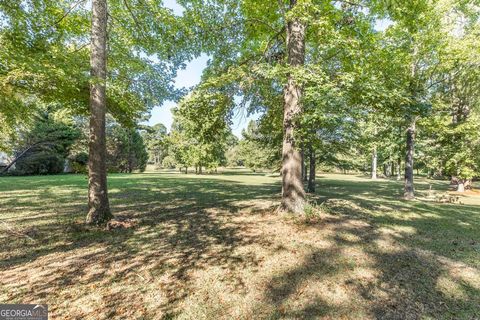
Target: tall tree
x=415, y=43
x=258, y=51
x=154, y=138
x=374, y=158
x=254, y=149
x=126, y=150
x=200, y=131
x=312, y=169
x=293, y=193
x=409, y=187
x=98, y=204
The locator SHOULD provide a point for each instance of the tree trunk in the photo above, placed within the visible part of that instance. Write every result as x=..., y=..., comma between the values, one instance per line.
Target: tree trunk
x=293, y=193
x=392, y=168
x=409, y=190
x=312, y=169
x=464, y=184
x=200, y=169
x=130, y=164
x=130, y=153
x=374, y=158
x=399, y=168
x=469, y=184
x=305, y=167
x=99, y=207
x=374, y=163
x=453, y=180
x=304, y=172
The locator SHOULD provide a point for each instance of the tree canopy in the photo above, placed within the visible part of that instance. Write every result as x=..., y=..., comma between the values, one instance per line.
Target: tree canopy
x=332, y=88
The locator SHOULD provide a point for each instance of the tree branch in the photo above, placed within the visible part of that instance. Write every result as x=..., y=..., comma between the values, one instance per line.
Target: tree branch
x=68, y=12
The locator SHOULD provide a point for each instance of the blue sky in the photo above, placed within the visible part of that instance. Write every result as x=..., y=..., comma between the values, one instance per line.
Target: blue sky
x=188, y=78
x=191, y=75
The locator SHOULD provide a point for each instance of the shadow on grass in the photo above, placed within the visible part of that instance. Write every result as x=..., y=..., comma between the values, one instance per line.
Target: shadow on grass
x=407, y=281
x=436, y=225
x=183, y=224
x=407, y=285
x=188, y=223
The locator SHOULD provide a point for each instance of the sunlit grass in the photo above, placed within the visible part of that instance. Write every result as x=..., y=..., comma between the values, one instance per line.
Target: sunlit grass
x=212, y=247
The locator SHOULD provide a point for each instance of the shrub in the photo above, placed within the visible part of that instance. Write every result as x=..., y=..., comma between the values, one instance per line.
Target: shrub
x=79, y=163
x=40, y=163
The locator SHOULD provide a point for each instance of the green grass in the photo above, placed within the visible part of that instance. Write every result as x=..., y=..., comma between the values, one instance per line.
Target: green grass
x=212, y=247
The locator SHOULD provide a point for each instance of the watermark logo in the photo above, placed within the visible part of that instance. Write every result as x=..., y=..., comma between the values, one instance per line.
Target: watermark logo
x=23, y=312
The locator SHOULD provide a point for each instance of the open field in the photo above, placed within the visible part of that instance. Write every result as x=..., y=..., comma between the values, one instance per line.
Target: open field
x=212, y=247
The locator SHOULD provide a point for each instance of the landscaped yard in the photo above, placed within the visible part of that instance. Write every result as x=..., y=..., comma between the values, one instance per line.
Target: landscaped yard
x=212, y=247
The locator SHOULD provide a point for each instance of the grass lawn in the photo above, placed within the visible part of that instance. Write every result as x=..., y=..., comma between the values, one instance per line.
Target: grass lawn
x=212, y=247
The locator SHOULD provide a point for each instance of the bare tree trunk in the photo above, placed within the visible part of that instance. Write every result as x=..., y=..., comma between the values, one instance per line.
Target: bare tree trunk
x=469, y=184
x=464, y=184
x=374, y=157
x=374, y=163
x=293, y=193
x=311, y=176
x=306, y=171
x=453, y=180
x=99, y=207
x=304, y=174
x=409, y=190
x=399, y=168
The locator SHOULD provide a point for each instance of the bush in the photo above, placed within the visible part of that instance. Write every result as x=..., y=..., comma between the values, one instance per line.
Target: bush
x=79, y=163
x=81, y=158
x=48, y=142
x=40, y=163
